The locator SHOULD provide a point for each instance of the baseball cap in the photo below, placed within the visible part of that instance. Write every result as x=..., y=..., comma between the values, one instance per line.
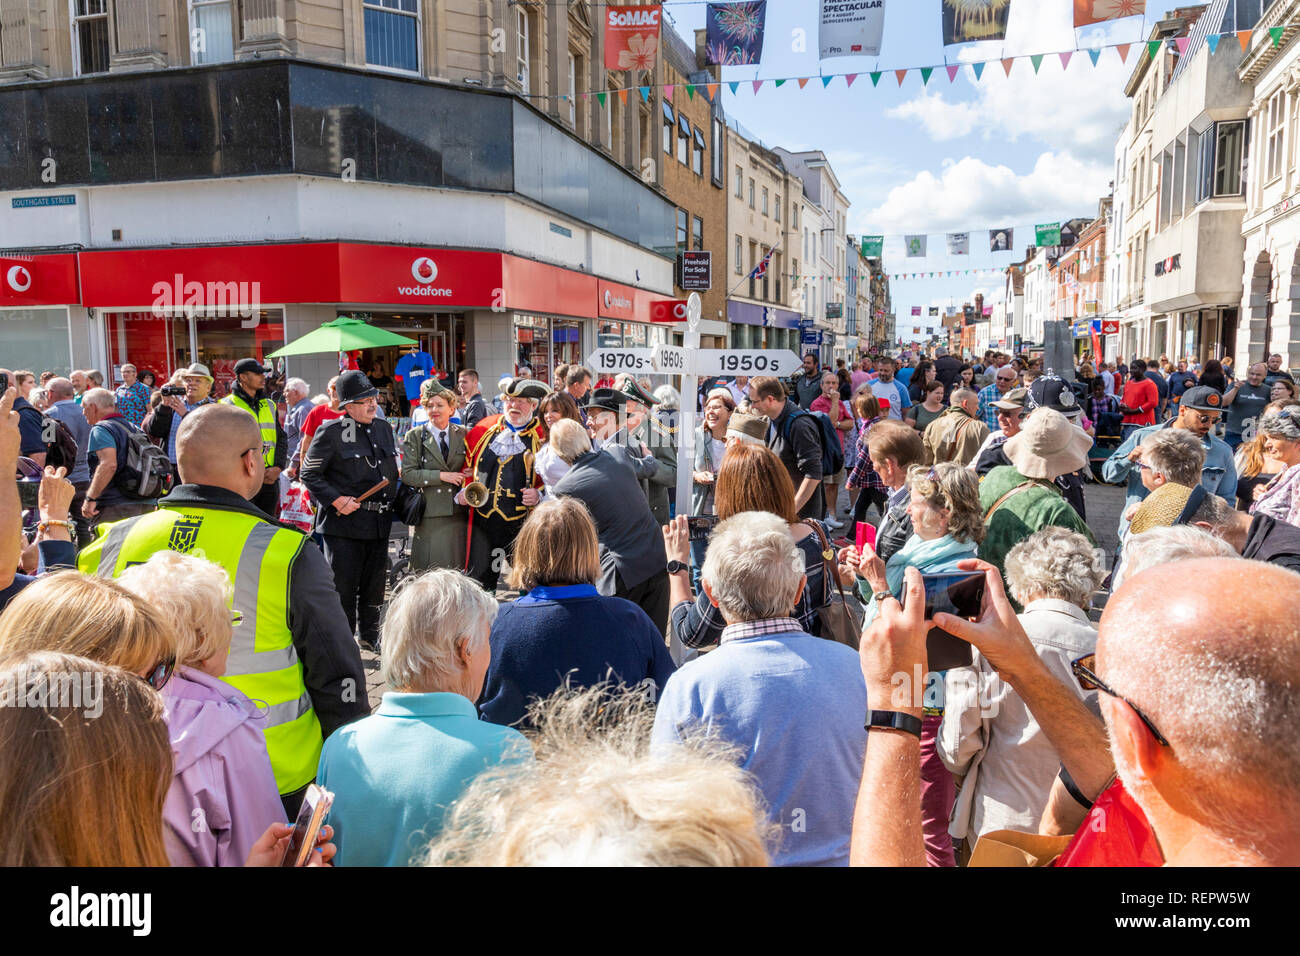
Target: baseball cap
x=1203, y=398
x=252, y=365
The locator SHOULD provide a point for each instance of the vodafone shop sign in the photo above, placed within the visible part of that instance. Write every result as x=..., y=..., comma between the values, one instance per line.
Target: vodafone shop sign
x=27, y=281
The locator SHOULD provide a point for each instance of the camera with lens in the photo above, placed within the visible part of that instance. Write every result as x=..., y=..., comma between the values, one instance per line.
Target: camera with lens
x=173, y=390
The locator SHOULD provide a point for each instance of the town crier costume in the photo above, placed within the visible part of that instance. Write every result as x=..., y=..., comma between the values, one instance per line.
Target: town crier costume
x=501, y=452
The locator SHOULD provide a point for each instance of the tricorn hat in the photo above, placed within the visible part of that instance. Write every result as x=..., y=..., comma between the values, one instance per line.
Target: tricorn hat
x=526, y=388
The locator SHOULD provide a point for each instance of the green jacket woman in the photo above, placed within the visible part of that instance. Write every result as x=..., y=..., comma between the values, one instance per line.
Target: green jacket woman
x=439, y=540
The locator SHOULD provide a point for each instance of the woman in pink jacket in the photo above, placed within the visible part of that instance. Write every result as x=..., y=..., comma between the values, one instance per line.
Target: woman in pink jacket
x=223, y=794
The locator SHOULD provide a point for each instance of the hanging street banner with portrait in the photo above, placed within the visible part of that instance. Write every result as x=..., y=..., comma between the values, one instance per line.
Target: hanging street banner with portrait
x=915, y=246
x=632, y=37
x=851, y=27
x=873, y=247
x=733, y=33
x=1001, y=240
x=959, y=243
x=1095, y=11
x=965, y=21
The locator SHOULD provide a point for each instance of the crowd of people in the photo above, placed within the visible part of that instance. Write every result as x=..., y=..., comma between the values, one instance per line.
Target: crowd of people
x=581, y=669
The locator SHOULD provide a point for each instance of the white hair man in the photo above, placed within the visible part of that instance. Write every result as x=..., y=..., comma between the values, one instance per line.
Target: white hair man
x=988, y=736
x=297, y=398
x=165, y=421
x=753, y=692
x=395, y=772
x=106, y=500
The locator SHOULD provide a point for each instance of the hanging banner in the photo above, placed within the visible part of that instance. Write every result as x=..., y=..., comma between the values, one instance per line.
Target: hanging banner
x=632, y=37
x=1048, y=235
x=934, y=311
x=1001, y=240
x=959, y=243
x=873, y=247
x=916, y=310
x=915, y=246
x=851, y=27
x=967, y=20
x=733, y=33
x=1095, y=11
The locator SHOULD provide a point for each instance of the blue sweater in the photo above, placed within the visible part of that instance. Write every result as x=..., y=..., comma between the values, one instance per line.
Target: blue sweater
x=553, y=635
x=794, y=705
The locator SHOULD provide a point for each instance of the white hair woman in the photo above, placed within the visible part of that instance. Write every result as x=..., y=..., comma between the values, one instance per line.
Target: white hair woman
x=1164, y=545
x=595, y=796
x=1281, y=497
x=988, y=734
x=395, y=772
x=222, y=771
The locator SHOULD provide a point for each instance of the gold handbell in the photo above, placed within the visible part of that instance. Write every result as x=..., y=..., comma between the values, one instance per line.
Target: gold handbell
x=476, y=493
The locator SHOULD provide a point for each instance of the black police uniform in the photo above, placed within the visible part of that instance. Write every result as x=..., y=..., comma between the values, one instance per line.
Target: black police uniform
x=347, y=458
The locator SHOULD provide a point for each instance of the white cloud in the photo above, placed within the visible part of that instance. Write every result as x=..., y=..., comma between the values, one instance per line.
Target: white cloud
x=972, y=191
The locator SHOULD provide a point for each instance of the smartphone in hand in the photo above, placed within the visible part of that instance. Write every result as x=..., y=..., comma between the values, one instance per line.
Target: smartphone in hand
x=961, y=595
x=311, y=817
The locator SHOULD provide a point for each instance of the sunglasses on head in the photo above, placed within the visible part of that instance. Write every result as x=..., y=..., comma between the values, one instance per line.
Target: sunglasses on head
x=160, y=673
x=1085, y=672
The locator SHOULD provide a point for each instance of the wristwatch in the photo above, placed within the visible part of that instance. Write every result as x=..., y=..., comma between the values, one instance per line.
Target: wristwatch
x=676, y=566
x=893, y=720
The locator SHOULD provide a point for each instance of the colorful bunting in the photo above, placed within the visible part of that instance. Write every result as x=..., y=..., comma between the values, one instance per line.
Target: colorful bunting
x=1123, y=52
x=1094, y=55
x=713, y=91
x=925, y=75
x=622, y=97
x=757, y=84
x=600, y=97
x=803, y=81
x=1213, y=40
x=690, y=91
x=734, y=87
x=1037, y=60
x=668, y=91
x=1153, y=47
x=778, y=83
x=1243, y=37
x=900, y=74
x=1276, y=34
x=826, y=81
x=1181, y=43
x=645, y=94
x=849, y=78
x=952, y=72
x=1008, y=63
x=1065, y=60
x=875, y=79
x=979, y=70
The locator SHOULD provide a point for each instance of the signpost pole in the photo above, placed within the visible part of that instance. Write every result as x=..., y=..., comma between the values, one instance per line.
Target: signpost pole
x=686, y=414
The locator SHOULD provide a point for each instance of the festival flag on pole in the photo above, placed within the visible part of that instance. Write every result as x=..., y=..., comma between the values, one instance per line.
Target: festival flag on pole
x=760, y=270
x=734, y=33
x=1095, y=11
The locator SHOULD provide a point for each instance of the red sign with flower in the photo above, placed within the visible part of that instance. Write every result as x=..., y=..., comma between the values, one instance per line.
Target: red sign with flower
x=632, y=37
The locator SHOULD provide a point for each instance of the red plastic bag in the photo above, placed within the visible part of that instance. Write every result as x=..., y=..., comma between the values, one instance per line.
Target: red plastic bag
x=296, y=508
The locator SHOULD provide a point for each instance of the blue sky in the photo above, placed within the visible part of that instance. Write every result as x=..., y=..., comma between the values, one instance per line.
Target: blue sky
x=964, y=156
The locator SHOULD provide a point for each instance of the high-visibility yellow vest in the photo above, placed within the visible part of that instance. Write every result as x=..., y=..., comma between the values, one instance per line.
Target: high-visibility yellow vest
x=265, y=416
x=258, y=556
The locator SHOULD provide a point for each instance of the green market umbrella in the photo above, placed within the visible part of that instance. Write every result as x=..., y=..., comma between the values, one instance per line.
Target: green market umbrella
x=342, y=335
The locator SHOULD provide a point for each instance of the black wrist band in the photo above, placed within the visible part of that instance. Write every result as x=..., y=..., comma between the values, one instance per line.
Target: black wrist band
x=1073, y=790
x=893, y=720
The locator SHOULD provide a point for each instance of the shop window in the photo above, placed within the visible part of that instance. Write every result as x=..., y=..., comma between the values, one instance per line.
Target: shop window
x=40, y=336
x=90, y=36
x=393, y=34
x=212, y=32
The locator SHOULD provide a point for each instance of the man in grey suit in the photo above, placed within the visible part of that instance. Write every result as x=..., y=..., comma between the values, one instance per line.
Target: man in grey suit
x=610, y=434
x=633, y=562
x=643, y=428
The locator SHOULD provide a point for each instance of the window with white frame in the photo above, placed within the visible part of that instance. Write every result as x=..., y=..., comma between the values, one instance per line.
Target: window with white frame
x=697, y=152
x=212, y=37
x=573, y=90
x=719, y=137
x=794, y=216
x=670, y=121
x=90, y=36
x=740, y=183
x=1229, y=152
x=765, y=201
x=683, y=139
x=1275, y=124
x=523, y=49
x=740, y=256
x=777, y=207
x=751, y=194
x=393, y=34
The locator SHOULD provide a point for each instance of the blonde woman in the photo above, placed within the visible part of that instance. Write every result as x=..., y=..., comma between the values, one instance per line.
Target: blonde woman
x=223, y=778
x=433, y=455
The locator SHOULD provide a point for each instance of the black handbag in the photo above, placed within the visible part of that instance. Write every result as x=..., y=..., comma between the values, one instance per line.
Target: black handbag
x=840, y=621
x=409, y=505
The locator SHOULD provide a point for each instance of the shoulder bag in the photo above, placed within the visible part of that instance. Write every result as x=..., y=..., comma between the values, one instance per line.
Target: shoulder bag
x=840, y=621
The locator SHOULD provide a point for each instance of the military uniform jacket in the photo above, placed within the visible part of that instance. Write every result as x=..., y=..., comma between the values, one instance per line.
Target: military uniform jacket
x=422, y=461
x=663, y=447
x=348, y=458
x=505, y=478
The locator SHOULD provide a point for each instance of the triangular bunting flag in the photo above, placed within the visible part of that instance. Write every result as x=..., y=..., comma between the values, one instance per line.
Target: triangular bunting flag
x=734, y=87
x=875, y=79
x=826, y=81
x=668, y=91
x=1153, y=47
x=778, y=83
x=713, y=90
x=1123, y=52
x=803, y=81
x=645, y=94
x=952, y=73
x=601, y=98
x=1008, y=63
x=1181, y=43
x=979, y=70
x=849, y=78
x=757, y=84
x=900, y=74
x=690, y=91
x=1243, y=37
x=1094, y=55
x=622, y=97
x=1276, y=34
x=1213, y=40
x=1037, y=60
x=1065, y=60
x=925, y=75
